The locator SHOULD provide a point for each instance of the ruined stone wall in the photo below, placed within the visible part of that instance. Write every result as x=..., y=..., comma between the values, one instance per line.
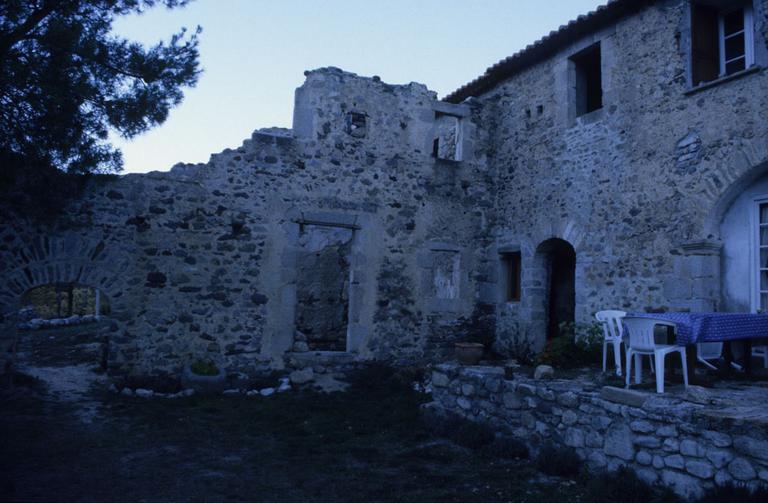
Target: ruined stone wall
x=204, y=261
x=637, y=187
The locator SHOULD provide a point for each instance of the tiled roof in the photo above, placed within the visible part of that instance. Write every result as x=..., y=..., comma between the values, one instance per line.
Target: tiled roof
x=544, y=47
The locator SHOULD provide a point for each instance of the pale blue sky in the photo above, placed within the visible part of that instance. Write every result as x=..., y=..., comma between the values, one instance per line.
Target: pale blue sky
x=254, y=53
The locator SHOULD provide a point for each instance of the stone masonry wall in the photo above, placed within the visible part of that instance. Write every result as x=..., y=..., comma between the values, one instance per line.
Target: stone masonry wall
x=637, y=187
x=682, y=444
x=202, y=261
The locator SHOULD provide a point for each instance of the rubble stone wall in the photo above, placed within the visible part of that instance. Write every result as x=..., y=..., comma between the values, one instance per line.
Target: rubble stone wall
x=202, y=261
x=686, y=445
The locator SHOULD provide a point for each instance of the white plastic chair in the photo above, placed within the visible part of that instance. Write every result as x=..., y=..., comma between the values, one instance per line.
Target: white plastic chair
x=641, y=342
x=613, y=334
x=761, y=351
x=706, y=351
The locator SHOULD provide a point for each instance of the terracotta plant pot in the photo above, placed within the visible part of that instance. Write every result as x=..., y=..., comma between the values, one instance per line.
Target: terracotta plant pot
x=469, y=353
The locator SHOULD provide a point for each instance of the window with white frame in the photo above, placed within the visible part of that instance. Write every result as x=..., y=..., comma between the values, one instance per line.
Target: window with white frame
x=722, y=39
x=761, y=254
x=735, y=31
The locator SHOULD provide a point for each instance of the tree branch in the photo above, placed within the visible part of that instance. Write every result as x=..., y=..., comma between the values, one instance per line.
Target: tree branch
x=7, y=41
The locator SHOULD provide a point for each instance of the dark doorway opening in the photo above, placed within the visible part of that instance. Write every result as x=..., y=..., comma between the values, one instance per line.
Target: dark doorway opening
x=322, y=288
x=560, y=259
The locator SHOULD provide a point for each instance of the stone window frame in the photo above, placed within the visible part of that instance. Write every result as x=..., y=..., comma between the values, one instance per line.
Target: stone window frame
x=425, y=258
x=565, y=78
x=461, y=113
x=759, y=52
x=579, y=83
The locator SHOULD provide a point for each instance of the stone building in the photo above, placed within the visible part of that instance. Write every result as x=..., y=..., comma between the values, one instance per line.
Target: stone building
x=618, y=162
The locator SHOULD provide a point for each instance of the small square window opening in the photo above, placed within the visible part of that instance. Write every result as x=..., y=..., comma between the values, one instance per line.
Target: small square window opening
x=356, y=124
x=511, y=275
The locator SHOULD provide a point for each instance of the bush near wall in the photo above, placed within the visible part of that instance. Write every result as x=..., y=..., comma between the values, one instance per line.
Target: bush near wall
x=578, y=345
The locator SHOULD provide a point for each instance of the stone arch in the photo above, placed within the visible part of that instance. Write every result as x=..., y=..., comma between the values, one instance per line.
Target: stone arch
x=733, y=182
x=29, y=262
x=742, y=260
x=567, y=230
x=700, y=268
x=69, y=258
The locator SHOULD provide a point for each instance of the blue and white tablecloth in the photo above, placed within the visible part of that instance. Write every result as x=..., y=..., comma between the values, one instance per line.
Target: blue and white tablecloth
x=713, y=327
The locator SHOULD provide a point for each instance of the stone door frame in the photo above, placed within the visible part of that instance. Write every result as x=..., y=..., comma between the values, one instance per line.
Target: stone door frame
x=357, y=329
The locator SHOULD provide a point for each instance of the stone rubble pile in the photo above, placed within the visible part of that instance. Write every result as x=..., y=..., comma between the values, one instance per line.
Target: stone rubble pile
x=283, y=386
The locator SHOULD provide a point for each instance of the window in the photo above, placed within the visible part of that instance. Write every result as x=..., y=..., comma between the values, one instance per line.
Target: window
x=722, y=40
x=356, y=124
x=62, y=300
x=762, y=256
x=589, y=80
x=446, y=274
x=447, y=142
x=511, y=275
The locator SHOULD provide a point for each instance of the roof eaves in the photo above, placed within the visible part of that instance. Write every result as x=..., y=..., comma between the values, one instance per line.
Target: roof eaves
x=555, y=40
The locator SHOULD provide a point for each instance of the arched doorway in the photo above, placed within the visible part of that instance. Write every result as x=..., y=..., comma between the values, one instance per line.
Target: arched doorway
x=62, y=325
x=558, y=258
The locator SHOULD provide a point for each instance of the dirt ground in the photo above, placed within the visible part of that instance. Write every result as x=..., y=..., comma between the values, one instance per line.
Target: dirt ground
x=64, y=437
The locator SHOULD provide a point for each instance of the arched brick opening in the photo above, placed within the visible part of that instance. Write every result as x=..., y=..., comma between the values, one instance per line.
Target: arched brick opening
x=28, y=263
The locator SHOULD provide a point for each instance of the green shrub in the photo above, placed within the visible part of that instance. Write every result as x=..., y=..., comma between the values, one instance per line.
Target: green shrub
x=624, y=486
x=577, y=345
x=204, y=368
x=558, y=460
x=729, y=493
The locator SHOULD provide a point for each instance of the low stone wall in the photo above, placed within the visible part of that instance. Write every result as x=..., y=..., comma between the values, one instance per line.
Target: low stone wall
x=669, y=439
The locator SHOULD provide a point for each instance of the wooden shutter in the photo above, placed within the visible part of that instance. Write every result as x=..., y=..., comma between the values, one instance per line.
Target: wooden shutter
x=705, y=50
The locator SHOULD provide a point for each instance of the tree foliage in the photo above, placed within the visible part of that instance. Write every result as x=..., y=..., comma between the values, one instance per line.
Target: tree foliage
x=67, y=81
